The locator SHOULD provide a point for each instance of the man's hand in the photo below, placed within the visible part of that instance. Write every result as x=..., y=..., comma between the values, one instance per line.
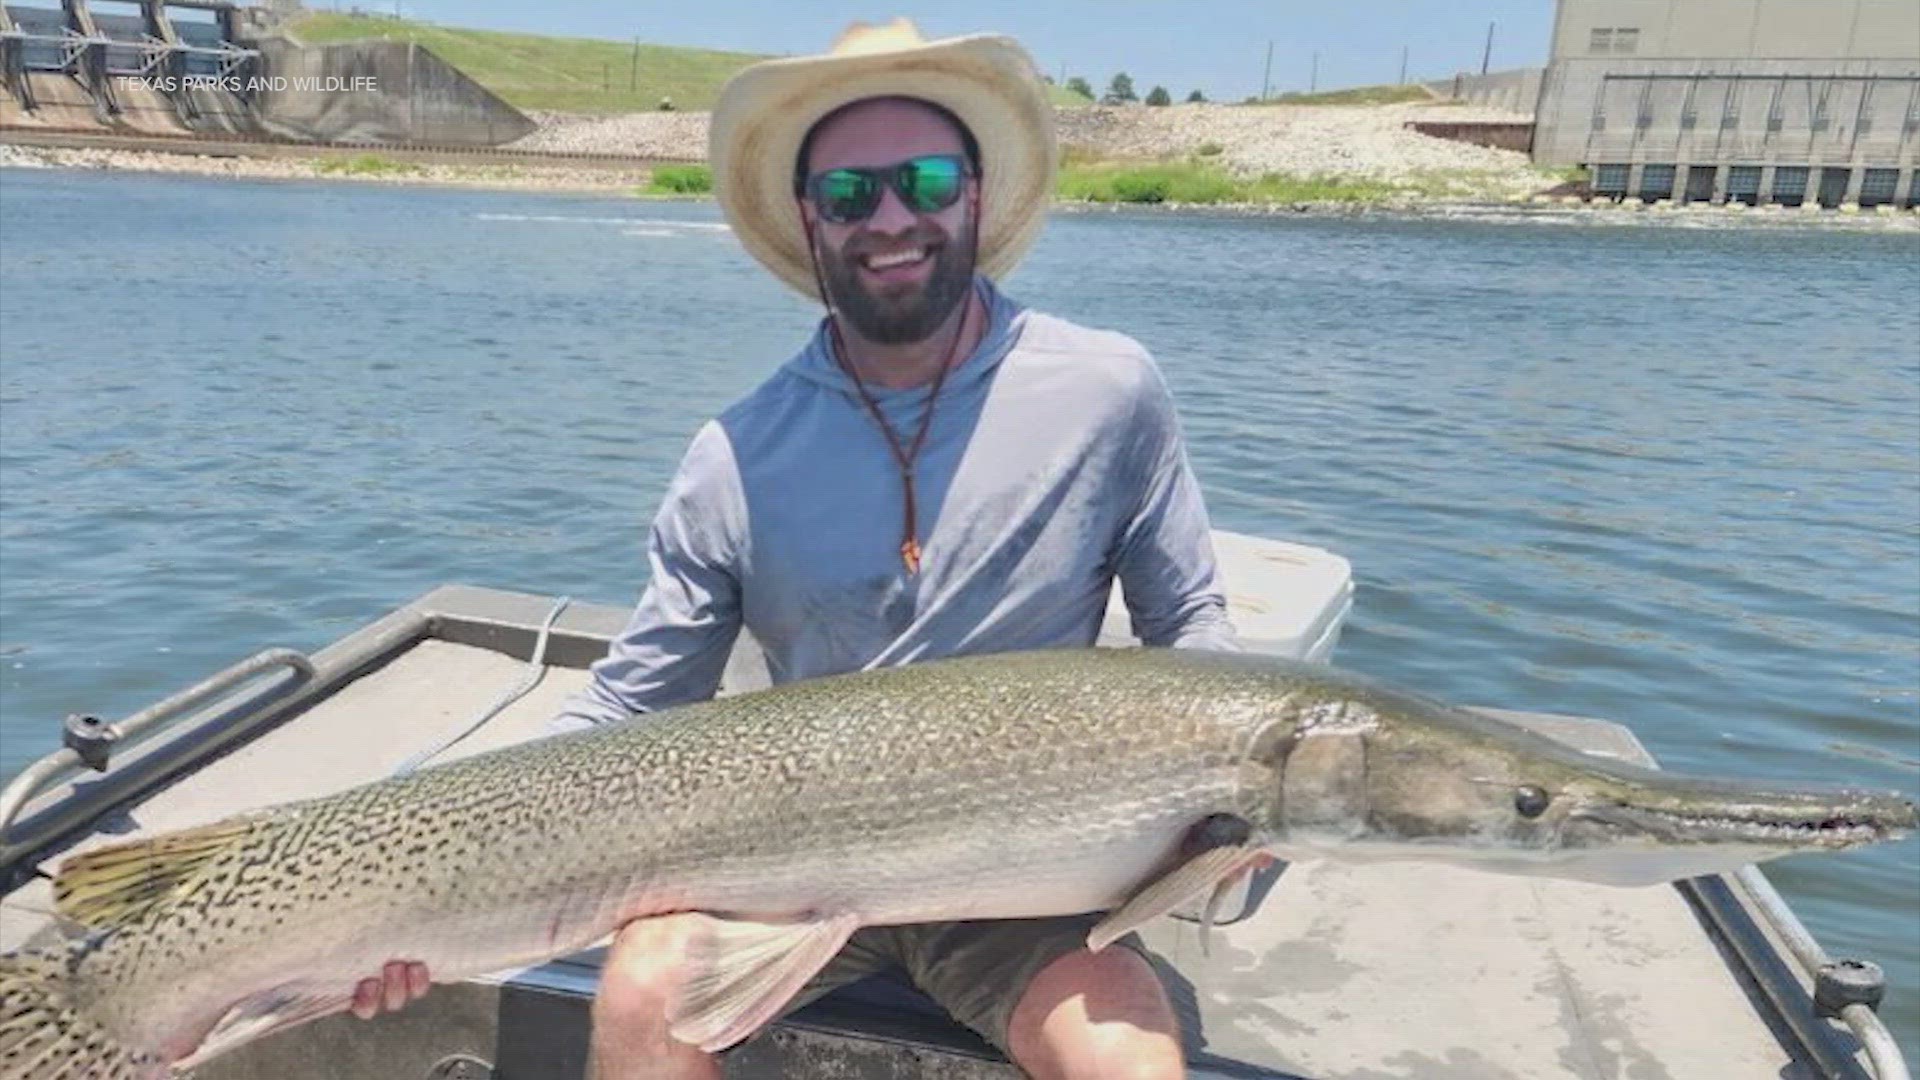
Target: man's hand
x=400, y=982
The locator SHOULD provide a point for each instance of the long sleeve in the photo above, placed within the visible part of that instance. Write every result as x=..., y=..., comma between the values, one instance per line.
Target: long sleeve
x=1165, y=561
x=675, y=647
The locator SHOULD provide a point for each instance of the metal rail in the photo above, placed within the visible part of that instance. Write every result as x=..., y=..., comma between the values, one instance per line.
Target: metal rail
x=89, y=740
x=1846, y=989
x=190, y=745
x=1748, y=918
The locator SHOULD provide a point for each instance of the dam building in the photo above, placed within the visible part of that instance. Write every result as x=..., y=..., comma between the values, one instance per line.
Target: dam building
x=1791, y=102
x=200, y=67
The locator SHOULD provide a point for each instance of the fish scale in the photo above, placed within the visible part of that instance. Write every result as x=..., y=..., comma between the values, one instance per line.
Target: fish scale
x=1030, y=784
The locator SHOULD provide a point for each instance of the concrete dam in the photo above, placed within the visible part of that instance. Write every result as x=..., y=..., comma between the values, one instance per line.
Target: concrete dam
x=215, y=68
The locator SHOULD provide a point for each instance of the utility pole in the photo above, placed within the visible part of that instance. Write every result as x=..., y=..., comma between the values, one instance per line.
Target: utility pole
x=1403, y=65
x=633, y=76
x=1266, y=77
x=1313, y=81
x=1487, y=56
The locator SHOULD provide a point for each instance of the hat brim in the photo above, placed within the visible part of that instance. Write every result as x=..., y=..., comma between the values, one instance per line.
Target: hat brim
x=987, y=81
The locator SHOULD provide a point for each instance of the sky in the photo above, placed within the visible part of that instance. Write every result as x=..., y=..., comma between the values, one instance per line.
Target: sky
x=1216, y=46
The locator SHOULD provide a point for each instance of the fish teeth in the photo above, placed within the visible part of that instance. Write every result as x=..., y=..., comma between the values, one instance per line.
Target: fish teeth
x=1837, y=828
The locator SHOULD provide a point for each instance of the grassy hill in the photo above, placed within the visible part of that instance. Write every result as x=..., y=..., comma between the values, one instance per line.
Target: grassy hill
x=536, y=72
x=586, y=75
x=1388, y=94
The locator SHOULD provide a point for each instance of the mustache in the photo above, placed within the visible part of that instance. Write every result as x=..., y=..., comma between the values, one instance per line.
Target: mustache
x=866, y=242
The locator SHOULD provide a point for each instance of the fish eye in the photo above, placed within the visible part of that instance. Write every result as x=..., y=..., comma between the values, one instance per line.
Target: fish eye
x=1531, y=801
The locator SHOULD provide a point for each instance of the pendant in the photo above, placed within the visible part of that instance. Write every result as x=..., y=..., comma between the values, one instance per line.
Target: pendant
x=910, y=554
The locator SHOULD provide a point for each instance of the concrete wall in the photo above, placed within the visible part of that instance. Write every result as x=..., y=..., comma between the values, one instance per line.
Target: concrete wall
x=1515, y=91
x=1757, y=111
x=58, y=100
x=413, y=96
x=1744, y=29
x=139, y=109
x=368, y=91
x=211, y=110
x=1719, y=92
x=112, y=89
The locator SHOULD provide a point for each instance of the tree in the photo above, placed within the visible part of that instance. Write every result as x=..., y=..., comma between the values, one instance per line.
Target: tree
x=1196, y=97
x=1078, y=85
x=1158, y=96
x=1120, y=90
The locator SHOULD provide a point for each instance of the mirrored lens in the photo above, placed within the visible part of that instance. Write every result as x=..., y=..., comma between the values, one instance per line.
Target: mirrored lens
x=924, y=184
x=844, y=195
x=930, y=183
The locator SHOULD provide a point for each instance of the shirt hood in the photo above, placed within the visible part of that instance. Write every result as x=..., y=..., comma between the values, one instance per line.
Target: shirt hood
x=1005, y=317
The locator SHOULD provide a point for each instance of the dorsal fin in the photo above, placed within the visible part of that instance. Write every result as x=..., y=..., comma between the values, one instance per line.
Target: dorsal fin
x=112, y=884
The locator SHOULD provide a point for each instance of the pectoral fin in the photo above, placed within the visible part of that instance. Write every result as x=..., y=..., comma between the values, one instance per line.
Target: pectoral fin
x=1220, y=890
x=1217, y=851
x=745, y=971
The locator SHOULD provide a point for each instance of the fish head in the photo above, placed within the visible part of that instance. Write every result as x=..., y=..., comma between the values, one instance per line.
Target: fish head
x=1374, y=775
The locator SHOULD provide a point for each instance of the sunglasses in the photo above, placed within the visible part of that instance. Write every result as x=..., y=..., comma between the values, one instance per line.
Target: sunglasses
x=925, y=185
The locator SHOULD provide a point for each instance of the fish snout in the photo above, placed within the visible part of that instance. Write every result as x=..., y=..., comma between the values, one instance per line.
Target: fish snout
x=1782, y=819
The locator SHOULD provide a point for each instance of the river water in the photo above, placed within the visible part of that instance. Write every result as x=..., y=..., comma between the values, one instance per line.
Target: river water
x=1666, y=477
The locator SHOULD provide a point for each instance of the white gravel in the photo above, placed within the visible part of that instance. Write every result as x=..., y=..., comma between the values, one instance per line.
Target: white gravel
x=545, y=178
x=648, y=134
x=1369, y=141
x=1355, y=141
x=563, y=178
x=19, y=157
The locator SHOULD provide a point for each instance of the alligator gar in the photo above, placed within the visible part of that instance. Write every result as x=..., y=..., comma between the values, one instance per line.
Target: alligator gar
x=1009, y=786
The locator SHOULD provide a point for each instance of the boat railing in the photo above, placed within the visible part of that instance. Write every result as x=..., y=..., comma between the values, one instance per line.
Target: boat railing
x=88, y=742
x=1848, y=990
x=179, y=734
x=1751, y=917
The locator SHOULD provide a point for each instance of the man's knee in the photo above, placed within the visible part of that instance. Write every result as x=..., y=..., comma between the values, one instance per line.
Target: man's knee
x=1096, y=1015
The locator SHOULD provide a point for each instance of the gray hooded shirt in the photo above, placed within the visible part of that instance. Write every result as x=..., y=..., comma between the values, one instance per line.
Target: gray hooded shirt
x=1054, y=463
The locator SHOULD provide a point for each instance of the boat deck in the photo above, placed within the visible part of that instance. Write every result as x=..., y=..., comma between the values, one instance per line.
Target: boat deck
x=1379, y=971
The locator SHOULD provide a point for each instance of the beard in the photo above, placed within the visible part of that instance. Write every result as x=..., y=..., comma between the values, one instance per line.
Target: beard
x=900, y=314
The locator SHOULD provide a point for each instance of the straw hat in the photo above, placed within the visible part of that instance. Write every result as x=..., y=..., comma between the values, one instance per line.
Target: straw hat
x=987, y=81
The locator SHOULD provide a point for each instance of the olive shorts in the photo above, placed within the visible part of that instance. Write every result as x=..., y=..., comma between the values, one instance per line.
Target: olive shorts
x=977, y=971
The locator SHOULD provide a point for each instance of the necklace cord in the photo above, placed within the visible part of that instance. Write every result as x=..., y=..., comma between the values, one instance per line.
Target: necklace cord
x=905, y=457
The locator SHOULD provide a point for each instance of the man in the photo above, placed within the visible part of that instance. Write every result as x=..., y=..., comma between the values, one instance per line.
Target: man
x=939, y=471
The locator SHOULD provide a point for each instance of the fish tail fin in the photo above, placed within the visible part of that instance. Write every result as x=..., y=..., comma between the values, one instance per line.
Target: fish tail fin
x=45, y=1033
x=43, y=1036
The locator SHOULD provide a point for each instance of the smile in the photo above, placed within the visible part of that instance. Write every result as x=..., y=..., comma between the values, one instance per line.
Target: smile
x=890, y=260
